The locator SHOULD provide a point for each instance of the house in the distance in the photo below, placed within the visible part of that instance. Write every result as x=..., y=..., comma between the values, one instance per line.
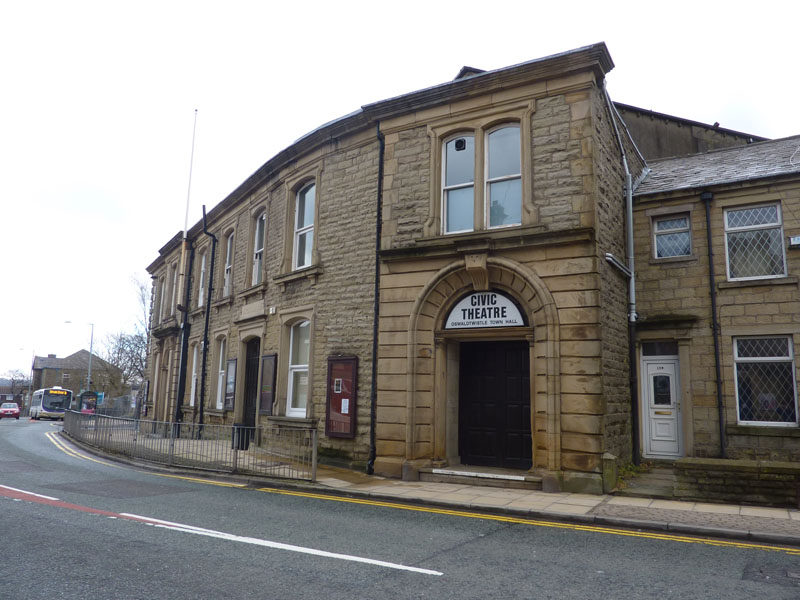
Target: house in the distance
x=72, y=373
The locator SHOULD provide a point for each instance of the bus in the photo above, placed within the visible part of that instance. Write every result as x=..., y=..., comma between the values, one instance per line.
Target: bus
x=50, y=403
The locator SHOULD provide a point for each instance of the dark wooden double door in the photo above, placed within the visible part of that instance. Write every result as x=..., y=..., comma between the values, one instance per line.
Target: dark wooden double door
x=494, y=405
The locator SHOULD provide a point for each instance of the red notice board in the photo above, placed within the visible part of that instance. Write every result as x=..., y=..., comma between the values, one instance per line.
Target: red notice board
x=340, y=414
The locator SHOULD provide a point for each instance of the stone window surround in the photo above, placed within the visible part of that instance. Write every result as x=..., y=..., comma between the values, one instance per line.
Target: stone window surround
x=229, y=233
x=734, y=336
x=160, y=292
x=194, y=370
x=173, y=289
x=479, y=123
x=219, y=335
x=287, y=318
x=256, y=213
x=665, y=211
x=201, y=278
x=294, y=184
x=745, y=203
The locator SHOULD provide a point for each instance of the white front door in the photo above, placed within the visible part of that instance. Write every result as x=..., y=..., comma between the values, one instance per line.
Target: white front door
x=662, y=409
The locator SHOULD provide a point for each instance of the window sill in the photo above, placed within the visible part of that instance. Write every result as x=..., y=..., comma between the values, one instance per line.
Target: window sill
x=166, y=328
x=488, y=239
x=311, y=273
x=727, y=285
x=673, y=259
x=788, y=430
x=259, y=288
x=226, y=301
x=291, y=422
x=217, y=412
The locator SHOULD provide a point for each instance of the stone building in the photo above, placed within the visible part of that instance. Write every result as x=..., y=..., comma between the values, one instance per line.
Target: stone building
x=72, y=373
x=717, y=338
x=443, y=282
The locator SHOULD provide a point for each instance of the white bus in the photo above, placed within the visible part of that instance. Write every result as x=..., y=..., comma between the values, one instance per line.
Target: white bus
x=50, y=403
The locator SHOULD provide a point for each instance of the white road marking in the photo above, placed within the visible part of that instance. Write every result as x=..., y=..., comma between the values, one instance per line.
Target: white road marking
x=29, y=493
x=279, y=546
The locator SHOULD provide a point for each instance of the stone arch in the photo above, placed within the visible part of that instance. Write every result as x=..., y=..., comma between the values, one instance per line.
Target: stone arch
x=522, y=282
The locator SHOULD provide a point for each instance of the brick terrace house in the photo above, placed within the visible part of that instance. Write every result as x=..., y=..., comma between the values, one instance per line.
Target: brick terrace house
x=444, y=280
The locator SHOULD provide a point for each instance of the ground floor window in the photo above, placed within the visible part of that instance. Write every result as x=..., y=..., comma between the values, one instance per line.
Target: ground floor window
x=765, y=381
x=299, y=343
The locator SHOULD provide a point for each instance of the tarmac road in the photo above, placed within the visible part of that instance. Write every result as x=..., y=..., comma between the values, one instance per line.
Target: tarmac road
x=102, y=530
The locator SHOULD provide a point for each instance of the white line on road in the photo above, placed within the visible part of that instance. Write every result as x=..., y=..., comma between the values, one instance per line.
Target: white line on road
x=278, y=546
x=29, y=493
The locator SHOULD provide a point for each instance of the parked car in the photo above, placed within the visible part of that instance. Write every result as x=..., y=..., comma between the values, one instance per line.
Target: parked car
x=9, y=409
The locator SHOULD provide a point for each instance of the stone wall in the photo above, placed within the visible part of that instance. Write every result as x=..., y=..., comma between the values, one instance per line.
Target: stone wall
x=741, y=481
x=609, y=187
x=338, y=291
x=674, y=302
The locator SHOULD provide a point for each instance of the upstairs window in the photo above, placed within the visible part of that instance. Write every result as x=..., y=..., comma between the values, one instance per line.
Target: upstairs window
x=258, y=248
x=173, y=301
x=765, y=382
x=672, y=236
x=503, y=178
x=754, y=242
x=304, y=227
x=228, y=273
x=459, y=184
x=161, y=292
x=201, y=281
x=497, y=192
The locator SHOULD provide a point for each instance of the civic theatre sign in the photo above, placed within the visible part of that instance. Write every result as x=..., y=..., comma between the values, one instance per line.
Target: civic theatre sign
x=484, y=309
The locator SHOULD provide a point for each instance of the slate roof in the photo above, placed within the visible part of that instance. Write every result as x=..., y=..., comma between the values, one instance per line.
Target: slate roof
x=718, y=167
x=79, y=360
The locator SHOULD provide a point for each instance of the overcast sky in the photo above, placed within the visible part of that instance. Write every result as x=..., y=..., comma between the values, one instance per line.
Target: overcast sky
x=97, y=105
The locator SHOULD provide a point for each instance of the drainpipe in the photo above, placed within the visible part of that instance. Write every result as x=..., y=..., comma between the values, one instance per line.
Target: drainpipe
x=632, y=316
x=376, y=308
x=707, y=197
x=208, y=314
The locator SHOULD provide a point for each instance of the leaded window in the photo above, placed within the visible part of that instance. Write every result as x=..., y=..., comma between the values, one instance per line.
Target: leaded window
x=754, y=242
x=672, y=236
x=765, y=381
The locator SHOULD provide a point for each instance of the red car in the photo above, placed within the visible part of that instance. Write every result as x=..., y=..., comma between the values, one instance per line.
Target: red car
x=9, y=409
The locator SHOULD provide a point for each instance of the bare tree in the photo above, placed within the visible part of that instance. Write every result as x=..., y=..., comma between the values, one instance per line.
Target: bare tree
x=128, y=351
x=19, y=381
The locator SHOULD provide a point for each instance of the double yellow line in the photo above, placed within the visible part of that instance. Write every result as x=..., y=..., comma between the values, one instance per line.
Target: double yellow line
x=55, y=439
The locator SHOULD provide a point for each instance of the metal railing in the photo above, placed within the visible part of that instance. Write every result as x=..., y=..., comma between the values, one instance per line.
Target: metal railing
x=267, y=451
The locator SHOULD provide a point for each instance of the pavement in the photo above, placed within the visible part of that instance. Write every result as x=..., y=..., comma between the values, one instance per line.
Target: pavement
x=727, y=521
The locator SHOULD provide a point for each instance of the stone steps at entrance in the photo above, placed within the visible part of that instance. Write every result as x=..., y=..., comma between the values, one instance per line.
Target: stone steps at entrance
x=501, y=478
